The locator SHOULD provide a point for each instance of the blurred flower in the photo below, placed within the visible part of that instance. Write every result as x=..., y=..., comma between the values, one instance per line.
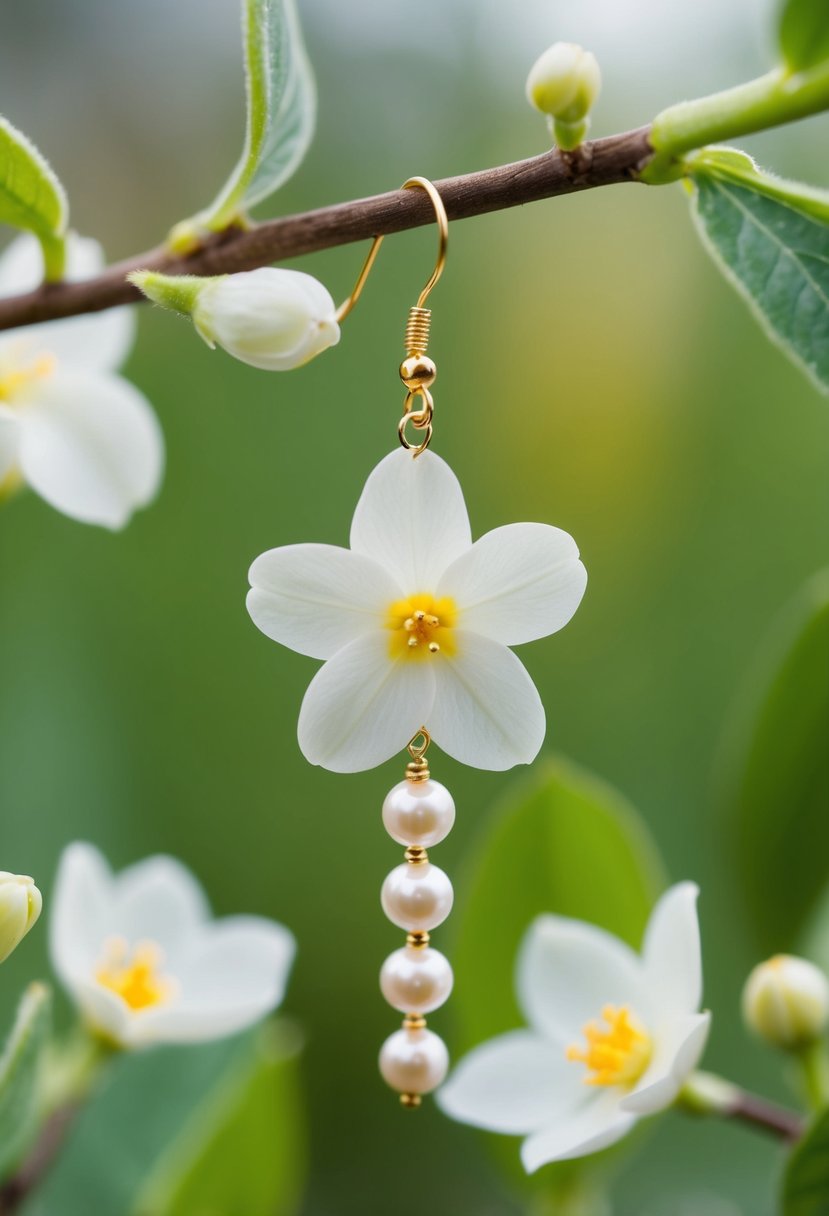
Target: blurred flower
x=143, y=961
x=273, y=319
x=82, y=437
x=564, y=83
x=415, y=622
x=786, y=1001
x=20, y=905
x=637, y=1017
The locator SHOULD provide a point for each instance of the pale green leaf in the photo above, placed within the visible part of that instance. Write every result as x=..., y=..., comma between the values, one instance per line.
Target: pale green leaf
x=804, y=33
x=31, y=197
x=562, y=842
x=20, y=1074
x=281, y=115
x=778, y=774
x=771, y=240
x=243, y=1151
x=806, y=1180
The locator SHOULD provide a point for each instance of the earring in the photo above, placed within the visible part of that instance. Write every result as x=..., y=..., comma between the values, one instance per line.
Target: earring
x=414, y=624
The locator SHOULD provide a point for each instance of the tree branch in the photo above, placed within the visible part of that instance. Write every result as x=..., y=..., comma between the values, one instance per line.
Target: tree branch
x=602, y=162
x=18, y=1188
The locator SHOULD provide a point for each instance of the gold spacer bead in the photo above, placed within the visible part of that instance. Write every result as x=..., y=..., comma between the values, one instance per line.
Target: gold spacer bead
x=417, y=770
x=416, y=855
x=410, y=1101
x=414, y=1021
x=418, y=939
x=418, y=371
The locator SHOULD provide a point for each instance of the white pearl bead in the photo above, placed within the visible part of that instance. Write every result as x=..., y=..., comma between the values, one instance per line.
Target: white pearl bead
x=419, y=813
x=414, y=1061
x=417, y=897
x=416, y=979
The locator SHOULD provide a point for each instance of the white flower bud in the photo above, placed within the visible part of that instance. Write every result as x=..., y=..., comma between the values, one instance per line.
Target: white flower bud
x=786, y=1001
x=271, y=318
x=564, y=82
x=20, y=904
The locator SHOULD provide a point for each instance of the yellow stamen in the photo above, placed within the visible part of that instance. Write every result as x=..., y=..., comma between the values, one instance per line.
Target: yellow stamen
x=16, y=375
x=617, y=1053
x=421, y=626
x=134, y=974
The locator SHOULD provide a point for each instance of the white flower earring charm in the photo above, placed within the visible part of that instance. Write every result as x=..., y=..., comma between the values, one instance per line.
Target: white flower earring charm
x=414, y=623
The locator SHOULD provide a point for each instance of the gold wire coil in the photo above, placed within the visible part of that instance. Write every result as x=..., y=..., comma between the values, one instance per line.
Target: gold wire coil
x=418, y=325
x=419, y=744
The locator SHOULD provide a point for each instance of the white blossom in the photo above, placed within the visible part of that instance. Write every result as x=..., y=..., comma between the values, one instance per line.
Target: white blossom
x=81, y=436
x=415, y=623
x=20, y=905
x=612, y=1035
x=144, y=962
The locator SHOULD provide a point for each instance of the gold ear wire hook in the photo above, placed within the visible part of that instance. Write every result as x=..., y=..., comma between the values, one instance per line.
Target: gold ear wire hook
x=442, y=221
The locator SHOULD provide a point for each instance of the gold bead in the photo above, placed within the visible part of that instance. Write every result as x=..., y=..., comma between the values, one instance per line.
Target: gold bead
x=418, y=939
x=417, y=771
x=418, y=371
x=410, y=1101
x=414, y=1021
x=416, y=855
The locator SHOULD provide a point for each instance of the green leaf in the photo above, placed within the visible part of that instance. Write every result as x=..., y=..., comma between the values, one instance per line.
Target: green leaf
x=563, y=842
x=281, y=115
x=804, y=33
x=778, y=778
x=806, y=1180
x=771, y=240
x=31, y=197
x=20, y=1074
x=243, y=1153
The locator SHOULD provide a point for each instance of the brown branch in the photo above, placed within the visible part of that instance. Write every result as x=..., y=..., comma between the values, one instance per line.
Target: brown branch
x=602, y=162
x=776, y=1120
x=19, y=1187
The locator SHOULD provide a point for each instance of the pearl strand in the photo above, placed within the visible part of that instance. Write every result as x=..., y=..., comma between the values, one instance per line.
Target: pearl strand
x=416, y=896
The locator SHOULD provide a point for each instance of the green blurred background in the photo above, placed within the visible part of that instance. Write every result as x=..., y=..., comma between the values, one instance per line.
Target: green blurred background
x=595, y=372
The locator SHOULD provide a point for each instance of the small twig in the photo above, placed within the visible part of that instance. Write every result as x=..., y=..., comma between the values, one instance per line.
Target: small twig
x=777, y=1120
x=603, y=162
x=19, y=1187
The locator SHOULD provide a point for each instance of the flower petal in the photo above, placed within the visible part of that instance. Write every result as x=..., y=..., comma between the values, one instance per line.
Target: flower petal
x=569, y=970
x=105, y=1011
x=159, y=900
x=487, y=711
x=412, y=519
x=97, y=342
x=598, y=1124
x=517, y=583
x=513, y=1084
x=678, y=1050
x=91, y=445
x=234, y=972
x=318, y=598
x=79, y=913
x=9, y=440
x=671, y=952
x=363, y=706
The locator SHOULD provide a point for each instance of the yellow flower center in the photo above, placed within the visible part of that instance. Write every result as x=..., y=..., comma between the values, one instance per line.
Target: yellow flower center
x=16, y=371
x=616, y=1053
x=134, y=974
x=422, y=626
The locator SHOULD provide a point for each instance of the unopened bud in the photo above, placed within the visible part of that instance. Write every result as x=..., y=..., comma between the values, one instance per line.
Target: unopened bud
x=20, y=904
x=271, y=318
x=786, y=1002
x=564, y=84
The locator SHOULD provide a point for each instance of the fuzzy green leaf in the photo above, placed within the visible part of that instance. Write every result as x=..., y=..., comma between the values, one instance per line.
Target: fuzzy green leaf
x=20, y=1074
x=771, y=240
x=779, y=775
x=281, y=116
x=804, y=33
x=562, y=842
x=243, y=1152
x=806, y=1180
x=31, y=197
